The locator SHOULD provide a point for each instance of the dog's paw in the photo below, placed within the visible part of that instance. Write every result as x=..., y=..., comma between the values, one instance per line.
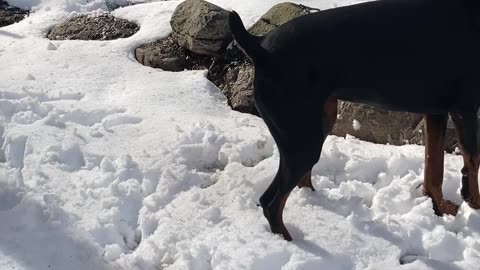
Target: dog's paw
x=446, y=207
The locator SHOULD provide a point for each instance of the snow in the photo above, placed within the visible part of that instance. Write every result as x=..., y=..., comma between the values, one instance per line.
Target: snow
x=107, y=164
x=356, y=125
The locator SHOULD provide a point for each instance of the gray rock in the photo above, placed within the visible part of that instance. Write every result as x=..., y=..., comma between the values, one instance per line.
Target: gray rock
x=239, y=88
x=451, y=142
x=154, y=57
x=278, y=15
x=10, y=15
x=376, y=125
x=201, y=27
x=103, y=27
x=166, y=54
x=381, y=126
x=172, y=63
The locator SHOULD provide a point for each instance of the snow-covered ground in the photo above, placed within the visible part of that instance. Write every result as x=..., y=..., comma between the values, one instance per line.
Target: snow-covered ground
x=107, y=164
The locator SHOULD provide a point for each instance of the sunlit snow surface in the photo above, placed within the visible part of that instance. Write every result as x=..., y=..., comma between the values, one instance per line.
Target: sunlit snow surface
x=107, y=164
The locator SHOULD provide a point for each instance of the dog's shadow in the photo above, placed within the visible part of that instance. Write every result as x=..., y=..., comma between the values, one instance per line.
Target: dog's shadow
x=324, y=259
x=306, y=245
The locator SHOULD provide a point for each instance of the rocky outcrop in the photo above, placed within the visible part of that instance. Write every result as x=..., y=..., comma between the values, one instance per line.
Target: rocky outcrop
x=83, y=27
x=376, y=125
x=10, y=15
x=201, y=27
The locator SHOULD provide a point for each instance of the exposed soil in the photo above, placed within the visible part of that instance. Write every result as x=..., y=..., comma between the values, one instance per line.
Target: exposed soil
x=103, y=27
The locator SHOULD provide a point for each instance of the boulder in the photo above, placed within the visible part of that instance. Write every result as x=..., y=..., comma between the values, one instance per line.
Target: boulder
x=376, y=125
x=385, y=127
x=10, y=15
x=201, y=27
x=83, y=27
x=278, y=15
x=239, y=88
x=166, y=54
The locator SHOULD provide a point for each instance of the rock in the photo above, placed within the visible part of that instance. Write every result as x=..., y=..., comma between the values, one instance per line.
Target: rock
x=166, y=54
x=10, y=15
x=172, y=63
x=83, y=27
x=451, y=141
x=378, y=126
x=239, y=88
x=278, y=15
x=201, y=27
x=381, y=126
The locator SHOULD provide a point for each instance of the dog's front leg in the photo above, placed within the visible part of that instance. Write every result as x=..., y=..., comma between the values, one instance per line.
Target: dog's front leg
x=466, y=125
x=434, y=156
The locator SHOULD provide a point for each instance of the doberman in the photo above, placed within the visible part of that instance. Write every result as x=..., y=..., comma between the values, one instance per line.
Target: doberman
x=419, y=56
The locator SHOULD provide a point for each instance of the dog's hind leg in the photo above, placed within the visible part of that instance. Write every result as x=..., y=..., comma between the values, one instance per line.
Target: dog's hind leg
x=329, y=119
x=466, y=125
x=295, y=163
x=299, y=138
x=306, y=181
x=434, y=156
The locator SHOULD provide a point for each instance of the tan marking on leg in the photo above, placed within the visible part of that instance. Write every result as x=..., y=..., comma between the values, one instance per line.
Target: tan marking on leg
x=306, y=181
x=470, y=178
x=274, y=215
x=434, y=158
x=330, y=109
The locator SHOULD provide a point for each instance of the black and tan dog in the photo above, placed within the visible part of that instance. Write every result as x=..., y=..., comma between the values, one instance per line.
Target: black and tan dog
x=420, y=56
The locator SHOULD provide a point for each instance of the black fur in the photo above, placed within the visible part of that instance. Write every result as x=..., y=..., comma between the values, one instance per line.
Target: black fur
x=420, y=56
